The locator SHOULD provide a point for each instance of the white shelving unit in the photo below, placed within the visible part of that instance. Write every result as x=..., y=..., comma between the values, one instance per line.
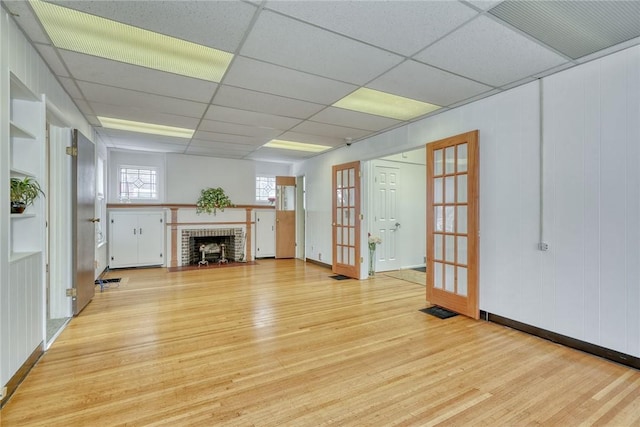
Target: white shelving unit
x=23, y=307
x=27, y=133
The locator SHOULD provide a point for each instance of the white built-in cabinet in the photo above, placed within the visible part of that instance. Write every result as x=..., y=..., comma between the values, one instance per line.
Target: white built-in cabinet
x=136, y=238
x=265, y=234
x=22, y=321
x=27, y=115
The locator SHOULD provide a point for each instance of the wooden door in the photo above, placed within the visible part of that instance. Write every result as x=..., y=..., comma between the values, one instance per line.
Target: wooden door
x=285, y=217
x=385, y=218
x=346, y=219
x=452, y=223
x=84, y=238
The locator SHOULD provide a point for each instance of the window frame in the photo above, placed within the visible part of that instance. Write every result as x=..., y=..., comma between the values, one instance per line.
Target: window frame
x=156, y=183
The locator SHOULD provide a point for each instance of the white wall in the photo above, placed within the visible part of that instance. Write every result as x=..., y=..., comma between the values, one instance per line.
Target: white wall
x=181, y=177
x=587, y=286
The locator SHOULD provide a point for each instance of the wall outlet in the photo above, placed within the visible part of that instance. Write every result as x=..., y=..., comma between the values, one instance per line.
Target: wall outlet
x=543, y=246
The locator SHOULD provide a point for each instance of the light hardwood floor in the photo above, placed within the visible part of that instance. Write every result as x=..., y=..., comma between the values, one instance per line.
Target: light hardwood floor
x=281, y=344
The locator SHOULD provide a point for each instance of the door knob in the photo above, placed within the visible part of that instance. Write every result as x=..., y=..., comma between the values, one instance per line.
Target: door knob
x=397, y=225
x=95, y=220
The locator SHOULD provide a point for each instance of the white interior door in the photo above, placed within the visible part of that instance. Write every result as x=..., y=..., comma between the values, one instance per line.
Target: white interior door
x=386, y=220
x=265, y=234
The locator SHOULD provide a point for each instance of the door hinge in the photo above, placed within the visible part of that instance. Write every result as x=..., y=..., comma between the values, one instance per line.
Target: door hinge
x=359, y=174
x=361, y=260
x=72, y=292
x=72, y=151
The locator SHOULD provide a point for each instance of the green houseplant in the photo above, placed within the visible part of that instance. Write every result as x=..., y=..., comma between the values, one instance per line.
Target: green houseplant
x=212, y=199
x=23, y=193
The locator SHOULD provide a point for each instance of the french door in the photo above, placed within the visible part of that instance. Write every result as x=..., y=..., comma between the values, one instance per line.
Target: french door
x=346, y=219
x=452, y=223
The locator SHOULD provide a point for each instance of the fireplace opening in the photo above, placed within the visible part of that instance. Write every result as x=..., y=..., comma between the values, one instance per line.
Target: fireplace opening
x=193, y=239
x=210, y=249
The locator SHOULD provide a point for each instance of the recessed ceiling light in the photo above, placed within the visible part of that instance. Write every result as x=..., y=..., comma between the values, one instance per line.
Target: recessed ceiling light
x=111, y=123
x=299, y=146
x=89, y=34
x=384, y=104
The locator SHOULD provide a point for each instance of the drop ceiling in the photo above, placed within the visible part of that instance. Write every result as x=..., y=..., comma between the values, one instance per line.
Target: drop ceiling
x=293, y=60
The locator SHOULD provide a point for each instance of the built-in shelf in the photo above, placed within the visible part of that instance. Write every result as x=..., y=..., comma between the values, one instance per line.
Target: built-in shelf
x=23, y=215
x=19, y=173
x=20, y=91
x=17, y=256
x=20, y=132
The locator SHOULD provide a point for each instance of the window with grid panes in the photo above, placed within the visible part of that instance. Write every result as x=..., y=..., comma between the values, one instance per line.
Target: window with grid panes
x=138, y=183
x=265, y=188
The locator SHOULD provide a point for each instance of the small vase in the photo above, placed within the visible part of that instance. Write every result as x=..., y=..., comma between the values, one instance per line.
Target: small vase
x=372, y=262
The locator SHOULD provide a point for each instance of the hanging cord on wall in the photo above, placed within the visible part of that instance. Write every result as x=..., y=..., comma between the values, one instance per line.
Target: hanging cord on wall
x=542, y=245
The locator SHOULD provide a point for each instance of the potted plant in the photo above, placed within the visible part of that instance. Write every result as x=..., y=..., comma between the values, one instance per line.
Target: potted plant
x=212, y=199
x=23, y=193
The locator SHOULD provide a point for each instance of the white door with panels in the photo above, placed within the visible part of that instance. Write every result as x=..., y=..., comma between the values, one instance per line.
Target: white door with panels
x=136, y=239
x=265, y=234
x=386, y=222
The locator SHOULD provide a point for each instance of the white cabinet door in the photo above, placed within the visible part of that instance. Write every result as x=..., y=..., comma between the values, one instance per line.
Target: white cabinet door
x=136, y=239
x=265, y=234
x=151, y=239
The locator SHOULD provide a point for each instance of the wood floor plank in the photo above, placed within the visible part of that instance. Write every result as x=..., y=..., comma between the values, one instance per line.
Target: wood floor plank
x=280, y=343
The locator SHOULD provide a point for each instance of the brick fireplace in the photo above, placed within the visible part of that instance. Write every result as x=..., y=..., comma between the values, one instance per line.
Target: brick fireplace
x=191, y=240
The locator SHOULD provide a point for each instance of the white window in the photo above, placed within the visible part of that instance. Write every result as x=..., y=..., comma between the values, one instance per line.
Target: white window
x=138, y=183
x=266, y=189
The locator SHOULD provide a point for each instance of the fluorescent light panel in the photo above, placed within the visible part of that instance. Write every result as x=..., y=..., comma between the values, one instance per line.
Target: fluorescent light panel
x=384, y=104
x=298, y=146
x=89, y=34
x=112, y=123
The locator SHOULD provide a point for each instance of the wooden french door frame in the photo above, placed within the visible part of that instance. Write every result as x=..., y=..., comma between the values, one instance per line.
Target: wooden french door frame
x=452, y=223
x=346, y=219
x=285, y=217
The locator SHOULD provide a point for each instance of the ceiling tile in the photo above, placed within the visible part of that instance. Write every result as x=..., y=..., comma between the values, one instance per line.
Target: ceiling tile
x=24, y=16
x=354, y=119
x=218, y=24
x=312, y=139
x=279, y=155
x=50, y=56
x=484, y=4
x=232, y=146
x=130, y=98
x=237, y=129
x=414, y=80
x=143, y=115
x=378, y=22
x=256, y=75
x=293, y=44
x=139, y=141
x=490, y=53
x=245, y=99
x=575, y=28
x=117, y=74
x=230, y=138
x=328, y=130
x=216, y=152
x=70, y=86
x=233, y=115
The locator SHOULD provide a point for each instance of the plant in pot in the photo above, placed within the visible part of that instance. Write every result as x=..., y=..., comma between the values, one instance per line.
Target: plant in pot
x=23, y=193
x=212, y=199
